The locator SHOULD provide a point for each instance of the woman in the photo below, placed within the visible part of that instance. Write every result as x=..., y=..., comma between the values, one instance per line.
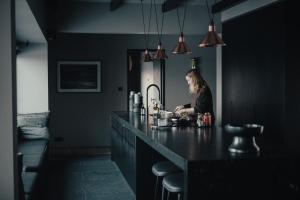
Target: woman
x=202, y=99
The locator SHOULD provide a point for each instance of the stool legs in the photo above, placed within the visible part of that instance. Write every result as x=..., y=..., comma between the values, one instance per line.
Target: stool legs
x=163, y=193
x=179, y=196
x=162, y=169
x=173, y=183
x=155, y=190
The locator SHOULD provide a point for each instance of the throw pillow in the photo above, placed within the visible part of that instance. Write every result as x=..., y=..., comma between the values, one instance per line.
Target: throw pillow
x=33, y=119
x=34, y=132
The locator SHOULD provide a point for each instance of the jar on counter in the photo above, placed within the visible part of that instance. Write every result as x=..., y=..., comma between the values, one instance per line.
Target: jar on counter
x=199, y=120
x=207, y=119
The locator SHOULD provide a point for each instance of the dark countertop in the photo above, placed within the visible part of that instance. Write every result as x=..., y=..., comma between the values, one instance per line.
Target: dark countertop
x=191, y=144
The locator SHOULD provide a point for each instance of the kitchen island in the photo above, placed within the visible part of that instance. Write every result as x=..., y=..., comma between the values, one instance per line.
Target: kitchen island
x=210, y=170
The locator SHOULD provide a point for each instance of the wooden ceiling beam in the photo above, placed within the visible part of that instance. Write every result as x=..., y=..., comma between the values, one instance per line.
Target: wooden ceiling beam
x=224, y=4
x=171, y=4
x=115, y=4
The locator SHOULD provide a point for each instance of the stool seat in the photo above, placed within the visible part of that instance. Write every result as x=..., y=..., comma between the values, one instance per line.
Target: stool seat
x=174, y=183
x=163, y=168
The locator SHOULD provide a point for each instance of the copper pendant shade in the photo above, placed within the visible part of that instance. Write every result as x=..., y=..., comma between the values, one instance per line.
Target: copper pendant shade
x=211, y=38
x=181, y=47
x=160, y=53
x=147, y=56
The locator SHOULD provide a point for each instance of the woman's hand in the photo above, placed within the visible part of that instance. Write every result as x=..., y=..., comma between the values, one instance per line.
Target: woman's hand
x=180, y=107
x=185, y=111
x=180, y=112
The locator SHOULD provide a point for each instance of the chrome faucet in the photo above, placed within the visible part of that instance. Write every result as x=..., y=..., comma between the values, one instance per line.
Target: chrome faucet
x=149, y=86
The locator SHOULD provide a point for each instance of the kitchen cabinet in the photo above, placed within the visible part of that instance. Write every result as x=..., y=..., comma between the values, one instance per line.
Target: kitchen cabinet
x=210, y=170
x=123, y=151
x=261, y=82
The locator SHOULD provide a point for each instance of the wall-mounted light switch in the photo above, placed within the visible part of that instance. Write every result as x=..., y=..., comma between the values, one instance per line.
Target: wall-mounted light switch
x=120, y=88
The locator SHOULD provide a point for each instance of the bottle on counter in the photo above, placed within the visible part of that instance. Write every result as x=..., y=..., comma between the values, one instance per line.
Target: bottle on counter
x=209, y=119
x=155, y=114
x=137, y=102
x=155, y=109
x=131, y=99
x=143, y=109
x=141, y=98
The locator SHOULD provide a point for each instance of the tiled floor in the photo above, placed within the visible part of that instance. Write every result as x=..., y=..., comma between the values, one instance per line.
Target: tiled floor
x=86, y=178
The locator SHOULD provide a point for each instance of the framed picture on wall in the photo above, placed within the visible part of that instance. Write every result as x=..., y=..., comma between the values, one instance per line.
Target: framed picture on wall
x=79, y=76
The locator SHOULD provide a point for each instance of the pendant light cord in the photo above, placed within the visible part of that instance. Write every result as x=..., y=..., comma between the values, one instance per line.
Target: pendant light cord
x=184, y=15
x=149, y=22
x=213, y=14
x=143, y=17
x=162, y=25
x=159, y=33
x=210, y=16
x=146, y=34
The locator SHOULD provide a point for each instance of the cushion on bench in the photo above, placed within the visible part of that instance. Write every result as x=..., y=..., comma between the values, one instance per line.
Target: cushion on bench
x=32, y=162
x=29, y=147
x=29, y=179
x=33, y=119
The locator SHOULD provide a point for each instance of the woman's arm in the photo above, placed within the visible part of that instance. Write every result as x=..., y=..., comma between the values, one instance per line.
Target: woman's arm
x=189, y=111
x=180, y=107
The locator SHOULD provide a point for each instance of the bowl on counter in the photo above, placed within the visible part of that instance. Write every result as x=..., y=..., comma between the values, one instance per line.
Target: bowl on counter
x=245, y=130
x=178, y=121
x=244, y=137
x=166, y=114
x=163, y=122
x=253, y=129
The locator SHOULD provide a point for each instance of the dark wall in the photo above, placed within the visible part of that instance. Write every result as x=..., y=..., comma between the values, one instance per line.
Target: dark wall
x=133, y=71
x=292, y=93
x=8, y=164
x=259, y=71
x=83, y=119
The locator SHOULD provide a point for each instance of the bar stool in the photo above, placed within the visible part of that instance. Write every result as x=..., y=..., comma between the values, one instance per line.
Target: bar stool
x=173, y=183
x=161, y=169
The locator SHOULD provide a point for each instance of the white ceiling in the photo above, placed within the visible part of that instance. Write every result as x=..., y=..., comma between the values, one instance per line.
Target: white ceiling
x=27, y=28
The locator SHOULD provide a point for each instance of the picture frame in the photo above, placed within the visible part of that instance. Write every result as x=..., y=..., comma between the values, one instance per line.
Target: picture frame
x=79, y=76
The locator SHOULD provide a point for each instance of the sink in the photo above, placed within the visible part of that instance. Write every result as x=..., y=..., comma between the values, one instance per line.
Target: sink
x=243, y=140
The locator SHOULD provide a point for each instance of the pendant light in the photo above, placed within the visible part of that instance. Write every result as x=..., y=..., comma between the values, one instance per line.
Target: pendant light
x=160, y=53
x=211, y=38
x=147, y=56
x=181, y=47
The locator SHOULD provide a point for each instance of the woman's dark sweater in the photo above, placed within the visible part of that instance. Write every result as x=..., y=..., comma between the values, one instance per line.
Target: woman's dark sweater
x=202, y=102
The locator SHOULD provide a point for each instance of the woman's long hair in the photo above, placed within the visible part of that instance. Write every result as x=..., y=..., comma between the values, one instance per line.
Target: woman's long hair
x=198, y=82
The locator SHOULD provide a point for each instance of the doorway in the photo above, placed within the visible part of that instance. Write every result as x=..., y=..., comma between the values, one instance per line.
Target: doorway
x=141, y=74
